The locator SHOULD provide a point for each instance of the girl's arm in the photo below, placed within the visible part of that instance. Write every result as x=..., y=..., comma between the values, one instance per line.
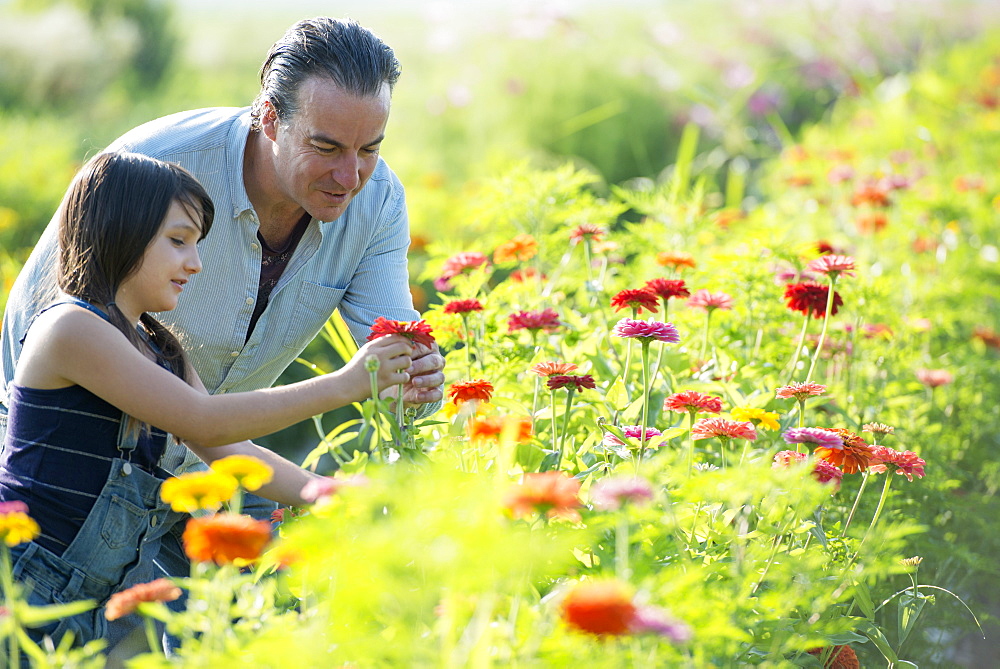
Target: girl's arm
x=70, y=345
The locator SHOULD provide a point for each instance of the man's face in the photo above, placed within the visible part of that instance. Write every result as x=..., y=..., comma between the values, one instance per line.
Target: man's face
x=325, y=153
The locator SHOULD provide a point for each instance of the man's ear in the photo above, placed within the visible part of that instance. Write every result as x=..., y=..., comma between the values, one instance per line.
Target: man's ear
x=269, y=121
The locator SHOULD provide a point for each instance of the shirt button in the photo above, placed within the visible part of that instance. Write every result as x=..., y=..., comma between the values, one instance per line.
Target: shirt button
x=249, y=301
x=235, y=354
x=153, y=521
x=255, y=246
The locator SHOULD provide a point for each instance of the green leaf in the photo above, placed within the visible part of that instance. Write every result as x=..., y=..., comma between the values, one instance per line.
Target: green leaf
x=357, y=464
x=909, y=607
x=529, y=456
x=35, y=616
x=617, y=395
x=863, y=598
x=874, y=634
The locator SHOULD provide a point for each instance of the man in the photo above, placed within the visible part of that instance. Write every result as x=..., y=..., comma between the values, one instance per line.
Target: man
x=308, y=219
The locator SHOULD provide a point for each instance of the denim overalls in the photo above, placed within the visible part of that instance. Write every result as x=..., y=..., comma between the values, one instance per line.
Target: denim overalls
x=120, y=536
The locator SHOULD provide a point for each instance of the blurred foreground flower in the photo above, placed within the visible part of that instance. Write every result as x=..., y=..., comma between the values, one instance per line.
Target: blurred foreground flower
x=479, y=390
x=198, y=491
x=225, y=537
x=125, y=602
x=613, y=492
x=553, y=494
x=318, y=489
x=16, y=526
x=494, y=427
x=249, y=472
x=605, y=608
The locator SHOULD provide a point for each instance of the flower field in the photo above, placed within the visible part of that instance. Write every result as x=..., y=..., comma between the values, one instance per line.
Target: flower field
x=677, y=432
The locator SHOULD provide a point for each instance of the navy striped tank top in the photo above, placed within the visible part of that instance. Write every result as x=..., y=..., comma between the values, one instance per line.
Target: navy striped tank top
x=57, y=455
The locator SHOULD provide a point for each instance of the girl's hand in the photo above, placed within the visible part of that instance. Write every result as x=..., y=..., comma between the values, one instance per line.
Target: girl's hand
x=393, y=353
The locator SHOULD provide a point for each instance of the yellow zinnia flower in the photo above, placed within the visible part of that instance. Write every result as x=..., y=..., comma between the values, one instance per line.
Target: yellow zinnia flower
x=760, y=418
x=17, y=527
x=248, y=471
x=198, y=490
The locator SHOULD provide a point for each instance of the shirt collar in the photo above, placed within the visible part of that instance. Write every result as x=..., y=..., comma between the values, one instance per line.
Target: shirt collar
x=235, y=146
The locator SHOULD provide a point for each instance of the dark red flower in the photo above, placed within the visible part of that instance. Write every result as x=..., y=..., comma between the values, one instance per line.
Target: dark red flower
x=547, y=320
x=419, y=332
x=824, y=247
x=564, y=380
x=810, y=297
x=462, y=306
x=637, y=299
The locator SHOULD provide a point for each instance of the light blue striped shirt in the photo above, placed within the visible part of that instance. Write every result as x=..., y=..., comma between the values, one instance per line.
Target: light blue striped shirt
x=356, y=264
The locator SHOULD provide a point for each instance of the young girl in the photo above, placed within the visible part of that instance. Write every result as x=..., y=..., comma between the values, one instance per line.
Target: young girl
x=100, y=383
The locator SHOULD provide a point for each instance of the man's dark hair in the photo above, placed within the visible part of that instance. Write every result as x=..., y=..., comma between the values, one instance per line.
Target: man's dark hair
x=339, y=49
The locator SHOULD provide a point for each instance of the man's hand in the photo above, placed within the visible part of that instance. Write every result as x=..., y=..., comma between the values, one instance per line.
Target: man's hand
x=426, y=382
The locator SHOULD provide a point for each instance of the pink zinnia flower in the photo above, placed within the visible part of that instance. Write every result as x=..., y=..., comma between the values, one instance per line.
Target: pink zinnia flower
x=814, y=435
x=557, y=381
x=668, y=288
x=615, y=492
x=552, y=368
x=706, y=428
x=630, y=432
x=832, y=265
x=327, y=486
x=586, y=231
x=788, y=458
x=710, y=301
x=906, y=463
x=459, y=264
x=934, y=377
x=800, y=391
x=822, y=470
x=647, y=330
x=462, y=306
x=690, y=400
x=547, y=320
x=635, y=299
x=655, y=620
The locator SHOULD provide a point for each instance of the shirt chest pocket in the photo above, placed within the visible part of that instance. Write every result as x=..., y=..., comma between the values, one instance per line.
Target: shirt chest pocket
x=313, y=306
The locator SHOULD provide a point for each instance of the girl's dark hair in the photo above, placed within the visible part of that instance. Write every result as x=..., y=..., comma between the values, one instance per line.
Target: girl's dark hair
x=341, y=50
x=110, y=214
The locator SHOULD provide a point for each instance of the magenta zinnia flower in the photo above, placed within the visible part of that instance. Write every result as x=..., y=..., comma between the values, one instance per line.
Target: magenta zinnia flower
x=462, y=306
x=710, y=301
x=832, y=265
x=614, y=492
x=906, y=463
x=557, y=381
x=547, y=320
x=706, y=428
x=690, y=400
x=655, y=620
x=800, y=391
x=814, y=435
x=635, y=299
x=630, y=432
x=648, y=330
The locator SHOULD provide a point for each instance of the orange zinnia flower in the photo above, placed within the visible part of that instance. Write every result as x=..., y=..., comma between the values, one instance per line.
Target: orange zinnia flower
x=837, y=657
x=852, y=458
x=520, y=248
x=493, y=427
x=479, y=390
x=600, y=608
x=556, y=494
x=125, y=602
x=225, y=537
x=553, y=368
x=676, y=260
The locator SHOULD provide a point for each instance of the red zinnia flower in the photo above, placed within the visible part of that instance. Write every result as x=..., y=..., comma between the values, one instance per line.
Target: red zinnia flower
x=824, y=248
x=125, y=602
x=710, y=301
x=635, y=299
x=225, y=537
x=520, y=248
x=462, y=306
x=557, y=381
x=547, y=320
x=706, y=428
x=832, y=265
x=668, y=288
x=675, y=260
x=554, y=494
x=689, y=400
x=838, y=657
x=906, y=463
x=852, y=457
x=492, y=427
x=870, y=193
x=586, y=231
x=800, y=391
x=599, y=607
x=478, y=390
x=418, y=332
x=811, y=297
x=552, y=368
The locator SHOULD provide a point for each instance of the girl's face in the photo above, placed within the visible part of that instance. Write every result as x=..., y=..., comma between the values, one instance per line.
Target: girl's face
x=170, y=260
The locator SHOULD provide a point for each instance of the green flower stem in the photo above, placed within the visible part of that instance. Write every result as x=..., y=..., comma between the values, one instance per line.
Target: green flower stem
x=659, y=353
x=704, y=339
x=878, y=509
x=802, y=413
x=645, y=400
x=622, y=571
x=534, y=402
x=372, y=364
x=799, y=345
x=725, y=446
x=850, y=516
x=555, y=429
x=14, y=652
x=826, y=323
x=587, y=261
x=691, y=415
x=152, y=638
x=565, y=426
x=468, y=343
x=400, y=409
